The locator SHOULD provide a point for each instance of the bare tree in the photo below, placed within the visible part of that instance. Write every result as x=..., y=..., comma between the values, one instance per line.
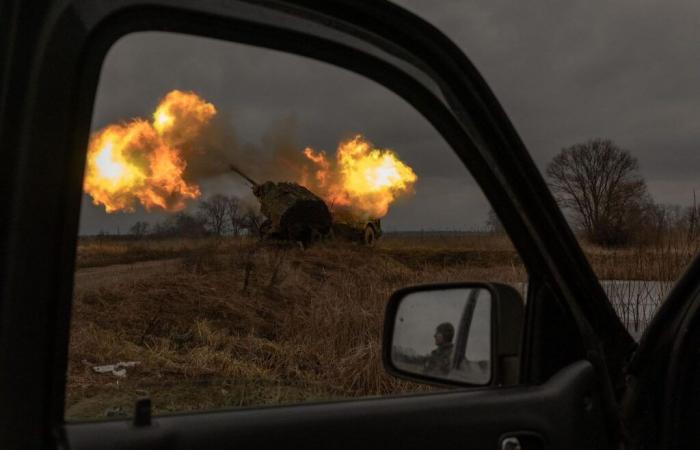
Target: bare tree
x=139, y=229
x=253, y=221
x=659, y=221
x=214, y=210
x=493, y=223
x=181, y=224
x=599, y=182
x=235, y=214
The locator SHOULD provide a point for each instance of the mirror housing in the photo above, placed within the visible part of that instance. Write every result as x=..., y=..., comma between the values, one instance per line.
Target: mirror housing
x=507, y=311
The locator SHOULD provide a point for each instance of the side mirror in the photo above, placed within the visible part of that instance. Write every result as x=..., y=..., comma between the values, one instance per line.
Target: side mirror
x=466, y=334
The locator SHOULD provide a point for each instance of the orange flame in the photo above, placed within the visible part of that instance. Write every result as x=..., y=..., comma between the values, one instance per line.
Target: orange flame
x=142, y=161
x=362, y=178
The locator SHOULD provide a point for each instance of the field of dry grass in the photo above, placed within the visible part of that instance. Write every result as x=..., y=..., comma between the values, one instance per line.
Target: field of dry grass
x=100, y=252
x=234, y=322
x=661, y=261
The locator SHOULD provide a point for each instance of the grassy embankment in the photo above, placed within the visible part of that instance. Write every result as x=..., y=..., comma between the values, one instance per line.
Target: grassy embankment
x=237, y=323
x=234, y=322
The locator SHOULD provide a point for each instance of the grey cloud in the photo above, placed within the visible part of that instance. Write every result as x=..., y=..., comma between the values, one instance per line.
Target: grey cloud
x=269, y=101
x=567, y=71
x=564, y=71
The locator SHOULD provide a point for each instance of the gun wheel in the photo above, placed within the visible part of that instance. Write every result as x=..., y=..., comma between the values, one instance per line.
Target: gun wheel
x=369, y=237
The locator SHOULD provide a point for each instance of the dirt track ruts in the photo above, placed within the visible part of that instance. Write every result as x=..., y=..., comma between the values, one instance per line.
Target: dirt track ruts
x=92, y=278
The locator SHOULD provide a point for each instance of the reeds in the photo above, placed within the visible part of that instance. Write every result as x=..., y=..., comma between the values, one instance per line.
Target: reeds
x=641, y=276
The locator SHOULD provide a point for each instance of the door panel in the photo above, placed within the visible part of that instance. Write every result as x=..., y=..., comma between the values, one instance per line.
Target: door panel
x=46, y=106
x=565, y=412
x=660, y=407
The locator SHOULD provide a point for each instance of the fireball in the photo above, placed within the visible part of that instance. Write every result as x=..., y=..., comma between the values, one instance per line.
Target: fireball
x=142, y=162
x=363, y=178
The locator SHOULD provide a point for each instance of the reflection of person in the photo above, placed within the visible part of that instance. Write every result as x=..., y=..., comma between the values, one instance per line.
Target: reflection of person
x=439, y=362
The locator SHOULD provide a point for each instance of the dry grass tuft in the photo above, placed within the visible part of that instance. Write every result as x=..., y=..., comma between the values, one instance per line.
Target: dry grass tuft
x=235, y=322
x=240, y=323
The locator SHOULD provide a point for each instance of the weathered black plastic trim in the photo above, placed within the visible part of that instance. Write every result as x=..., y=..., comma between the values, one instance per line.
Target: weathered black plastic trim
x=660, y=405
x=565, y=411
x=50, y=67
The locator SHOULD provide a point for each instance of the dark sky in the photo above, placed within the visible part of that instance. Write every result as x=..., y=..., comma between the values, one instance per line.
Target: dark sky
x=564, y=71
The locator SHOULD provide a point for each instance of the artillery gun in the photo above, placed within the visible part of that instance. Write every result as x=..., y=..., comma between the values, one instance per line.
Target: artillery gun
x=348, y=225
x=291, y=211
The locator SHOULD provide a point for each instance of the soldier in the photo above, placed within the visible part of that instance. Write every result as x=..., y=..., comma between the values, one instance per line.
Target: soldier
x=439, y=362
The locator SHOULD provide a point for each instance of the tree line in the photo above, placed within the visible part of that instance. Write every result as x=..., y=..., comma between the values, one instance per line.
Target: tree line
x=599, y=187
x=217, y=215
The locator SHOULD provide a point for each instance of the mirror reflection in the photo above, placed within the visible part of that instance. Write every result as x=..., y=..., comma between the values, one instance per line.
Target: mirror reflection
x=444, y=334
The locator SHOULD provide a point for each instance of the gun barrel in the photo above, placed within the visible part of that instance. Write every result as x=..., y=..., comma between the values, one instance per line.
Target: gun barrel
x=240, y=172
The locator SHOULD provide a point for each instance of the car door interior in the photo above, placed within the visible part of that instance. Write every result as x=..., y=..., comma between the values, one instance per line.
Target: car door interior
x=660, y=406
x=565, y=412
x=563, y=402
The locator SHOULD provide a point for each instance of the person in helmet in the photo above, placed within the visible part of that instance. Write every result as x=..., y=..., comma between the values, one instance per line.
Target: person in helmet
x=439, y=362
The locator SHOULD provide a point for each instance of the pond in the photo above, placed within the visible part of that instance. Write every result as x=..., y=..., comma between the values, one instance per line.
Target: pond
x=634, y=301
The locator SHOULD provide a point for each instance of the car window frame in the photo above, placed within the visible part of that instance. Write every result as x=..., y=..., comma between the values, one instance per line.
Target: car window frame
x=72, y=41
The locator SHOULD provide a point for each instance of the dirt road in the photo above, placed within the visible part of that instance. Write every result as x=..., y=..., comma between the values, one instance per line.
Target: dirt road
x=92, y=278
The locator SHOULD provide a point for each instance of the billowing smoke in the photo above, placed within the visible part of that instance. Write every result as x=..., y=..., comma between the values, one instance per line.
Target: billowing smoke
x=160, y=163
